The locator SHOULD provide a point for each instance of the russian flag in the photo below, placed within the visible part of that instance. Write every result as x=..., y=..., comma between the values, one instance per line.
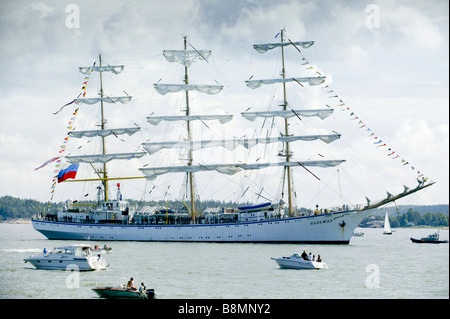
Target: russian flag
x=69, y=172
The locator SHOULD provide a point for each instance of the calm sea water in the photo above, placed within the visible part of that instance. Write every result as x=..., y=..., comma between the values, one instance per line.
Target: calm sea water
x=373, y=266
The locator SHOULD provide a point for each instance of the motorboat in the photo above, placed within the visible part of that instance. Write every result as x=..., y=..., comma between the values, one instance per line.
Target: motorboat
x=101, y=250
x=76, y=257
x=123, y=293
x=358, y=234
x=430, y=239
x=295, y=261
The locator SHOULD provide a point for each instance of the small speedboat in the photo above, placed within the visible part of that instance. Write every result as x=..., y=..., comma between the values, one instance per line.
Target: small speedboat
x=101, y=250
x=76, y=257
x=430, y=239
x=123, y=293
x=295, y=261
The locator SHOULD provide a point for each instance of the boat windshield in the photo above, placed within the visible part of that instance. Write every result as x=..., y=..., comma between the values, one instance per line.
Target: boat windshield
x=83, y=251
x=61, y=251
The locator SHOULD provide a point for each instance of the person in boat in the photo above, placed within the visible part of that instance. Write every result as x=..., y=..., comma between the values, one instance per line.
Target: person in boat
x=304, y=255
x=310, y=256
x=105, y=247
x=130, y=285
x=45, y=251
x=96, y=247
x=142, y=291
x=319, y=259
x=314, y=258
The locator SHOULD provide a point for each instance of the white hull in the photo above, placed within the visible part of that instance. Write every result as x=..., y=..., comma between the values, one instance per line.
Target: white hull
x=298, y=263
x=64, y=263
x=334, y=228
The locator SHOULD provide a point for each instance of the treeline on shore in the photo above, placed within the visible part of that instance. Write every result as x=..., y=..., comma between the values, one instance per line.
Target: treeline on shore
x=432, y=215
x=409, y=218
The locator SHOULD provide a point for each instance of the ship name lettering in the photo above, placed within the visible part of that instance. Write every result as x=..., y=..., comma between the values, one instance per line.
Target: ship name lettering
x=321, y=221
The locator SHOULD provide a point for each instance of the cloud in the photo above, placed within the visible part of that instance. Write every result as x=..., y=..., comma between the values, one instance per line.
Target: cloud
x=414, y=26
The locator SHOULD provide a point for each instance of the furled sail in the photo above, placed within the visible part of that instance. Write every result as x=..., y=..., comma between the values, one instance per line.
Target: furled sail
x=163, y=89
x=261, y=48
x=154, y=147
x=186, y=57
x=155, y=120
x=103, y=158
x=116, y=69
x=104, y=133
x=321, y=113
x=230, y=169
x=107, y=99
x=314, y=80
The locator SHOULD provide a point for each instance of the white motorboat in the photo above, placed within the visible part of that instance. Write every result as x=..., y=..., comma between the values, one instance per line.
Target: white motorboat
x=76, y=257
x=295, y=261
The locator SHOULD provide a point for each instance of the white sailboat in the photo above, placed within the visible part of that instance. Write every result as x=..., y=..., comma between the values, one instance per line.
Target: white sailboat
x=387, y=225
x=277, y=221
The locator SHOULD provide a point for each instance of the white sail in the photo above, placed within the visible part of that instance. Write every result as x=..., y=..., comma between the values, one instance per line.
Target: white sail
x=387, y=225
x=154, y=147
x=230, y=169
x=163, y=89
x=107, y=99
x=261, y=48
x=186, y=57
x=321, y=113
x=155, y=120
x=104, y=133
x=116, y=69
x=103, y=158
x=312, y=80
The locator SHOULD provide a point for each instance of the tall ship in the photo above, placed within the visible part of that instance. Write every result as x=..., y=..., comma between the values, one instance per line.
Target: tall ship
x=279, y=220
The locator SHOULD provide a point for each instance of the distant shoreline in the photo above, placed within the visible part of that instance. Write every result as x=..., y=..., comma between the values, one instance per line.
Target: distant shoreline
x=17, y=221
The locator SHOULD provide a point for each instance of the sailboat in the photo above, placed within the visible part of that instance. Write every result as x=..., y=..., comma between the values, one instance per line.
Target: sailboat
x=273, y=221
x=387, y=225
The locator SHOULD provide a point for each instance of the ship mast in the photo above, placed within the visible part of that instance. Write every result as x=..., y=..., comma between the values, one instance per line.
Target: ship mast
x=105, y=175
x=189, y=174
x=286, y=129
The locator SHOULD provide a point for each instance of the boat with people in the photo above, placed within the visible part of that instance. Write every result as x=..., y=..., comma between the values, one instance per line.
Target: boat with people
x=296, y=261
x=430, y=239
x=278, y=219
x=124, y=293
x=101, y=250
x=75, y=257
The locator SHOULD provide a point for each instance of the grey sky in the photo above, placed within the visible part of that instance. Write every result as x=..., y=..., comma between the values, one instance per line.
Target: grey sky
x=395, y=77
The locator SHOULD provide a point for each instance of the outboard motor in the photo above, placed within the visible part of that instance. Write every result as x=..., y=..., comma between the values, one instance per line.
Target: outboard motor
x=150, y=294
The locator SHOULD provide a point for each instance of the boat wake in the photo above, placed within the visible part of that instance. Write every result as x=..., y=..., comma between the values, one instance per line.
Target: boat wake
x=21, y=250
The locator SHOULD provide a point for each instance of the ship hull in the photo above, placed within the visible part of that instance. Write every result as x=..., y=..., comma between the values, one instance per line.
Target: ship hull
x=334, y=228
